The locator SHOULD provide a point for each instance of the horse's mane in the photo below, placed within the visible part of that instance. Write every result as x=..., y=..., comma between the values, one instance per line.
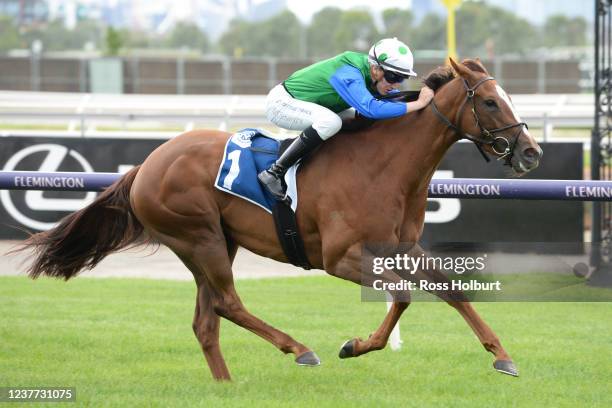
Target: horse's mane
x=439, y=77
x=443, y=75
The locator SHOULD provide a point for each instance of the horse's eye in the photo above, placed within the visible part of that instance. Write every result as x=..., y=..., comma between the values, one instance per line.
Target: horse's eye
x=491, y=103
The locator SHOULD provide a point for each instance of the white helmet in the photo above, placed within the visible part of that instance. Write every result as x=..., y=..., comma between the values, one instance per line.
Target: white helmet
x=393, y=55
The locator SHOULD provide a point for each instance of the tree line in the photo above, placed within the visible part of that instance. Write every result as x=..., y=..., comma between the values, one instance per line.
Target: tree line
x=482, y=30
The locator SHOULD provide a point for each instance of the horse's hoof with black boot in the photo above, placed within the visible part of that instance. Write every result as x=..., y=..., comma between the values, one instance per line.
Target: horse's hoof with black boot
x=308, y=358
x=348, y=349
x=506, y=367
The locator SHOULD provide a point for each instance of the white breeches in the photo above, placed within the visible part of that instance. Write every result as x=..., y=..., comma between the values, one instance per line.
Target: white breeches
x=289, y=113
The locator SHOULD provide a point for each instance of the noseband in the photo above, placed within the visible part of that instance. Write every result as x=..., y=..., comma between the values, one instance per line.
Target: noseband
x=487, y=137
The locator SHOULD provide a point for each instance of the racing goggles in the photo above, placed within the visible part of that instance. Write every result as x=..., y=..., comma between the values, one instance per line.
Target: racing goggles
x=393, y=77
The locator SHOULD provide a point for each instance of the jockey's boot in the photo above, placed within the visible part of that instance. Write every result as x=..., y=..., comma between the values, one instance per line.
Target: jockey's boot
x=272, y=178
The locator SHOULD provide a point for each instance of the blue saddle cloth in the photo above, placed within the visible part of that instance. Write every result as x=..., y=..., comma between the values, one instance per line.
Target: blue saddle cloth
x=247, y=153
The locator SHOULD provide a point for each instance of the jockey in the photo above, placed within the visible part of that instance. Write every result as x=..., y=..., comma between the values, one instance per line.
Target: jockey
x=316, y=98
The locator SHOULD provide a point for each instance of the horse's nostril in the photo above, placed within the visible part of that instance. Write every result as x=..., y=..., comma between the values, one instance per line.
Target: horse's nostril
x=531, y=154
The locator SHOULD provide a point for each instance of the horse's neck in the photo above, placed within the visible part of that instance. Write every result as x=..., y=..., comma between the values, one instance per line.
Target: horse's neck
x=415, y=144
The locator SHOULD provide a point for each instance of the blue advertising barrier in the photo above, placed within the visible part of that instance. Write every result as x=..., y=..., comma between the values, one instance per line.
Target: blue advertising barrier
x=567, y=190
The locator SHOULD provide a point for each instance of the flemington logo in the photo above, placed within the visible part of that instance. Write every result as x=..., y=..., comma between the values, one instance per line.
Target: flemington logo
x=34, y=200
x=588, y=191
x=49, y=182
x=466, y=189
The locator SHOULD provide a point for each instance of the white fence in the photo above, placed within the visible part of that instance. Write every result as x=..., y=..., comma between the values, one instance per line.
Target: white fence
x=87, y=115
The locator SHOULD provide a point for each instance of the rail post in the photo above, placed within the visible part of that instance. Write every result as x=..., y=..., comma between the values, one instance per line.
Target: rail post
x=601, y=144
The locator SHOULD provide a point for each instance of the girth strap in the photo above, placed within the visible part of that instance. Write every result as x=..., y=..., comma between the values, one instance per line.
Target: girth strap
x=287, y=229
x=289, y=235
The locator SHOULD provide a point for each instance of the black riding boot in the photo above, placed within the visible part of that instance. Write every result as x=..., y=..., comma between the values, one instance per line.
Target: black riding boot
x=272, y=178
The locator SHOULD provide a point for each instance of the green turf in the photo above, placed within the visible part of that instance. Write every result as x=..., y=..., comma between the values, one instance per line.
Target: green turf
x=129, y=343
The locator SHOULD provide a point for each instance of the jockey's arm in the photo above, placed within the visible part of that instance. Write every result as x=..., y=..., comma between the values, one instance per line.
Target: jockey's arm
x=350, y=85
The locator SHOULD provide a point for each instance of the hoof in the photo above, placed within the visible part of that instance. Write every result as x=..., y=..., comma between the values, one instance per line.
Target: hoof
x=347, y=349
x=506, y=367
x=308, y=358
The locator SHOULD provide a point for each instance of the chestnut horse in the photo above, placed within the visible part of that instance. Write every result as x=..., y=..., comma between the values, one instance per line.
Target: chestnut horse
x=171, y=198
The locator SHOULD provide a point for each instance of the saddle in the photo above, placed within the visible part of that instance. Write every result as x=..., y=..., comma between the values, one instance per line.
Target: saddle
x=247, y=153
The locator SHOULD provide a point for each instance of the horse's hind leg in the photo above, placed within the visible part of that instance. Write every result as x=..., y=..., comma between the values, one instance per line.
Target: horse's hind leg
x=206, y=324
x=214, y=260
x=206, y=328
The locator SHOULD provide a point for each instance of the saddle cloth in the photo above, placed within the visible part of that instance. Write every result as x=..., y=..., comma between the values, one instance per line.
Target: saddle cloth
x=246, y=154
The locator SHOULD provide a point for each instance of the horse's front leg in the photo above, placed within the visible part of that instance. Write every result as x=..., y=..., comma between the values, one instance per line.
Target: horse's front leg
x=348, y=267
x=377, y=340
x=457, y=299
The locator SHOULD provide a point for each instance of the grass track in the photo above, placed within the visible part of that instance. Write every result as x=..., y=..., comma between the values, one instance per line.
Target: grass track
x=129, y=343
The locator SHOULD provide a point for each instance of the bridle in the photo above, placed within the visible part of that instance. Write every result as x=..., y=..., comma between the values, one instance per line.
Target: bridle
x=487, y=137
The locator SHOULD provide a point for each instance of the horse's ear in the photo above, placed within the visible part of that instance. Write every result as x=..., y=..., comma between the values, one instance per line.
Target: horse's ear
x=460, y=69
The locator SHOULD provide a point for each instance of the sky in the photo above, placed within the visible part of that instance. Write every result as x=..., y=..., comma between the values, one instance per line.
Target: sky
x=305, y=9
x=535, y=11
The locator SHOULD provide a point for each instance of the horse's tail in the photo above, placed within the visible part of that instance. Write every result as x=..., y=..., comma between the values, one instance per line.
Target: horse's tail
x=85, y=237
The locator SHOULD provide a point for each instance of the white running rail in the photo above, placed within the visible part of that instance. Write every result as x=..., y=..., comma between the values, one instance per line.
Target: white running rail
x=84, y=114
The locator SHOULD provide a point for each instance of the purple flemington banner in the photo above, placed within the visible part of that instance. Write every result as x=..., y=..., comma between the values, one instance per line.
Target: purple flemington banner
x=57, y=181
x=575, y=190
